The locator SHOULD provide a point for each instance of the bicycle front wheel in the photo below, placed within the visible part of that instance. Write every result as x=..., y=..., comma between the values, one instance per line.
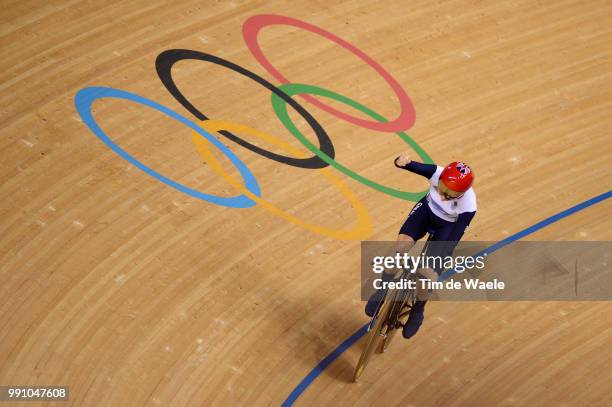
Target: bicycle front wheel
x=372, y=339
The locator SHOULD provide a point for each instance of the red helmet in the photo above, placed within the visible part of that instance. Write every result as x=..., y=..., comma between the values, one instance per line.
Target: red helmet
x=457, y=176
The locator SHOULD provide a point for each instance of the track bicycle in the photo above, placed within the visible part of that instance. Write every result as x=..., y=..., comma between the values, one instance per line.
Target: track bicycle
x=390, y=316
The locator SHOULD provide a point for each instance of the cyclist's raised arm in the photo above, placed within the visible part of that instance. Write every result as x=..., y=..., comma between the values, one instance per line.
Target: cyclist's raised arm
x=426, y=170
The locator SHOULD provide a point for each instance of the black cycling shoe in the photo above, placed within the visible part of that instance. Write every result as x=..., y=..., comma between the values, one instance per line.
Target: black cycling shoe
x=376, y=298
x=415, y=320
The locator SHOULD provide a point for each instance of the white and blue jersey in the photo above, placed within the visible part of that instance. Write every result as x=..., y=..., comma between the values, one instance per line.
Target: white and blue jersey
x=448, y=219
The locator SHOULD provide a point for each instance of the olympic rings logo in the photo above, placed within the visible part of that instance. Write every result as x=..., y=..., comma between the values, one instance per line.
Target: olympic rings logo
x=323, y=154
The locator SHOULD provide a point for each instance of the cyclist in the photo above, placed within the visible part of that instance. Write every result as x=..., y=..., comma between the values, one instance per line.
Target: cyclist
x=446, y=210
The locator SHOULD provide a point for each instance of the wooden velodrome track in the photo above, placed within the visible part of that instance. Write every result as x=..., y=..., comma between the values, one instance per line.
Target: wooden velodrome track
x=132, y=292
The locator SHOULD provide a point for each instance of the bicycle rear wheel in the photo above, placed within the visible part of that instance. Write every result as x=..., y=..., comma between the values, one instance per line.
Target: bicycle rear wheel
x=399, y=312
x=387, y=338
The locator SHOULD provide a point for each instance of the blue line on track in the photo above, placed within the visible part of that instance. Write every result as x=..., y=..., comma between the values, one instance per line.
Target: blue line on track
x=318, y=369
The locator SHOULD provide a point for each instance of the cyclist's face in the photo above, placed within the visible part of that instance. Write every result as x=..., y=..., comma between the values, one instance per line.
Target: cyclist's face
x=447, y=194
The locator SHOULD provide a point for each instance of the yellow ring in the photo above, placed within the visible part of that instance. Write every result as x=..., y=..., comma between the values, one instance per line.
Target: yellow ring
x=360, y=231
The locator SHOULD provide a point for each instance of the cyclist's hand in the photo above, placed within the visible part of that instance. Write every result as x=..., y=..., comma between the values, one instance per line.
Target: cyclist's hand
x=403, y=160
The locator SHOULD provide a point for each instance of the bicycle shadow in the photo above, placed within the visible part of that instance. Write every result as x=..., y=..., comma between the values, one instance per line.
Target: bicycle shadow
x=332, y=338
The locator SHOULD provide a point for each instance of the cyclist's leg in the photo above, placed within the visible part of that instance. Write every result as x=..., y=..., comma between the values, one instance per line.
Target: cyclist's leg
x=412, y=230
x=440, y=230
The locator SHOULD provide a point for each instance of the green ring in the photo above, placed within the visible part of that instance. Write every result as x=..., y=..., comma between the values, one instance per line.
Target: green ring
x=280, y=107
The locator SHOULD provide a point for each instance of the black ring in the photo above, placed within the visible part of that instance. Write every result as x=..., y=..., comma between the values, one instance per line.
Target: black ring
x=163, y=65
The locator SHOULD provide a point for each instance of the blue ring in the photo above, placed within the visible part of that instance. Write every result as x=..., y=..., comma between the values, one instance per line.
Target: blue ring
x=85, y=98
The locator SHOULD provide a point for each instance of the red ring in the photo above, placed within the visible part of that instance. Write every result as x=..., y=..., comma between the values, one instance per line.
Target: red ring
x=406, y=119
